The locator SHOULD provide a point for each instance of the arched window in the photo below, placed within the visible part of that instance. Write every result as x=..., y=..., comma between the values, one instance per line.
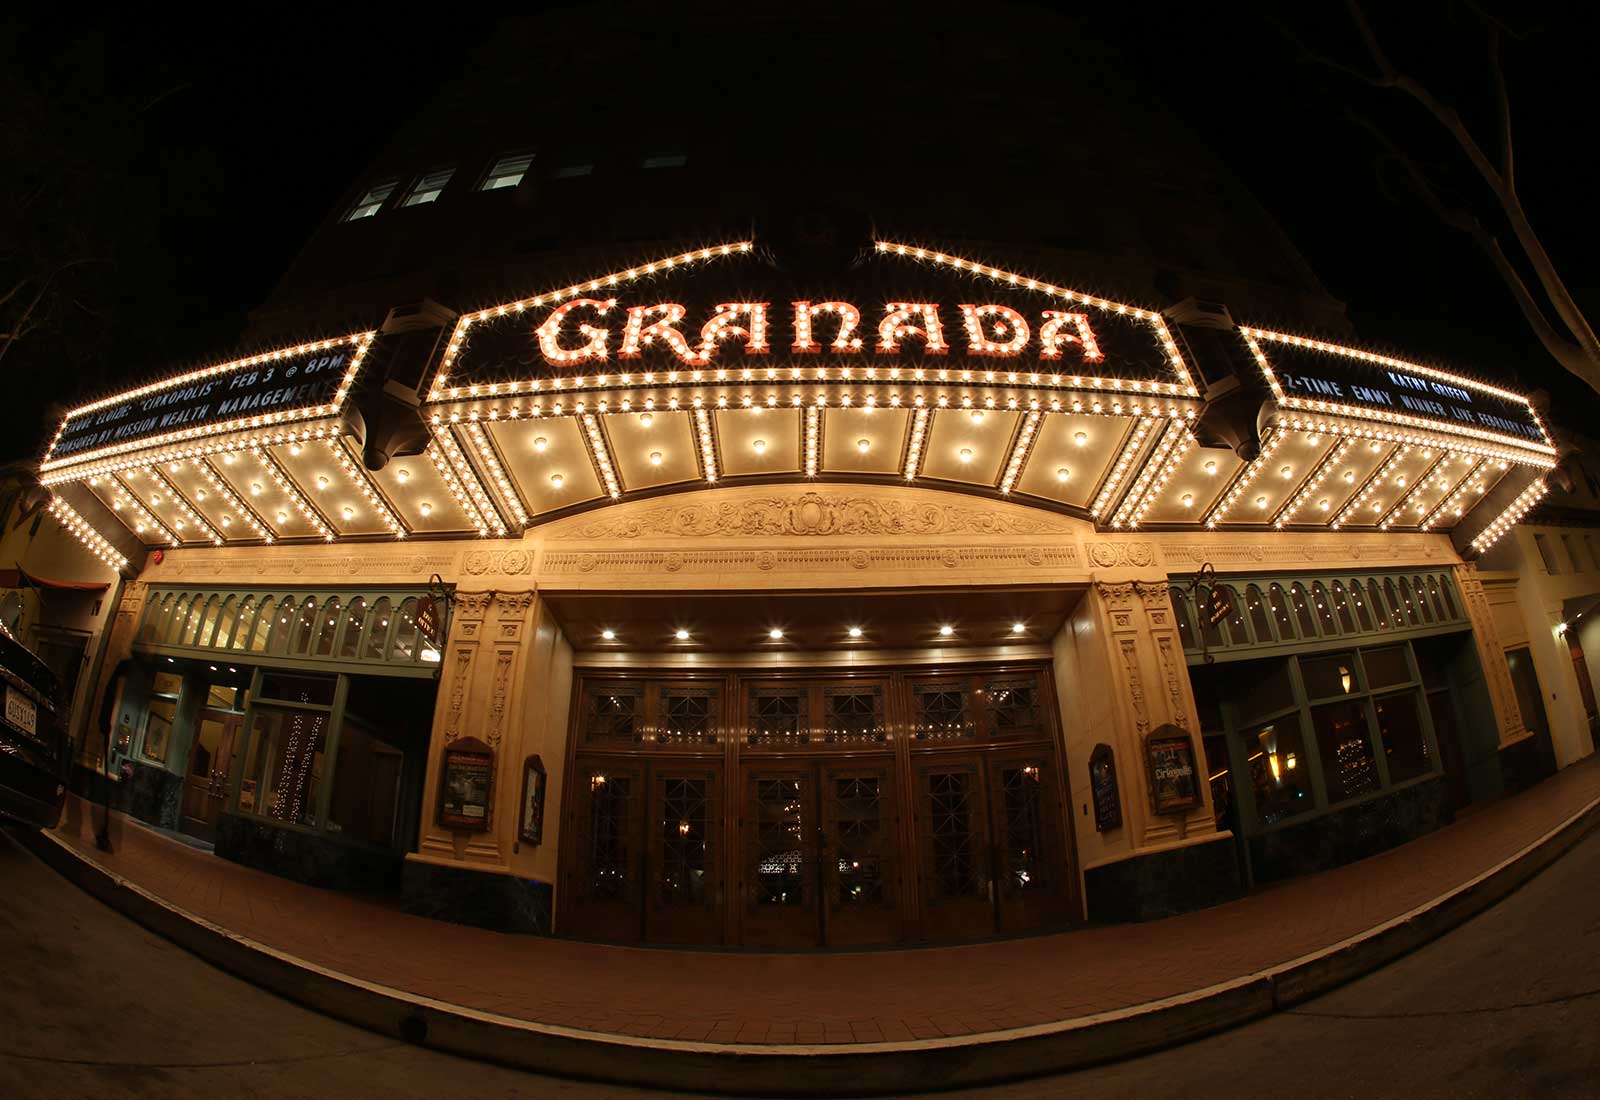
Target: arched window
x=1422, y=600
x=1408, y=602
x=305, y=627
x=1323, y=603
x=1302, y=610
x=404, y=646
x=1237, y=632
x=1341, y=606
x=377, y=630
x=1256, y=606
x=225, y=623
x=178, y=624
x=282, y=626
x=261, y=625
x=1433, y=594
x=354, y=616
x=157, y=619
x=206, y=622
x=1180, y=612
x=241, y=633
x=327, y=627
x=1280, y=612
x=1378, y=610
x=1396, y=614
x=1449, y=600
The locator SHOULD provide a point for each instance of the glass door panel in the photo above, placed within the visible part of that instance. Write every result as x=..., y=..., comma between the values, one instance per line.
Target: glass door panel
x=779, y=882
x=684, y=898
x=952, y=827
x=604, y=883
x=860, y=873
x=1030, y=850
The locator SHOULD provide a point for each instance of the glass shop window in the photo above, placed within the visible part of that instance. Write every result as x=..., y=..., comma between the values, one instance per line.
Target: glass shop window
x=1387, y=666
x=1280, y=612
x=1264, y=688
x=159, y=716
x=1341, y=605
x=295, y=688
x=378, y=631
x=1275, y=766
x=366, y=786
x=1349, y=767
x=1326, y=677
x=1359, y=600
x=507, y=172
x=1405, y=745
x=428, y=187
x=371, y=201
x=283, y=764
x=1180, y=613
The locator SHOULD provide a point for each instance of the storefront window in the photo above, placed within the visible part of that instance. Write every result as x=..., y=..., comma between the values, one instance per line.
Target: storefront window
x=1275, y=761
x=1180, y=612
x=1438, y=605
x=1326, y=677
x=261, y=627
x=305, y=628
x=247, y=619
x=1349, y=768
x=158, y=728
x=1396, y=615
x=1238, y=633
x=1302, y=611
x=282, y=623
x=226, y=621
x=1409, y=600
x=206, y=622
x=1378, y=608
x=1359, y=599
x=179, y=621
x=1386, y=666
x=1422, y=599
x=283, y=765
x=404, y=646
x=1405, y=745
x=1265, y=688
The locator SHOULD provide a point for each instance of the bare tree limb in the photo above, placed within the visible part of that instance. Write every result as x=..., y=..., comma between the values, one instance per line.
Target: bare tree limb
x=1507, y=160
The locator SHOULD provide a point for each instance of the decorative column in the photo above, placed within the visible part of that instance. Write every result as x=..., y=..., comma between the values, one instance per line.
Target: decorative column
x=123, y=626
x=1491, y=655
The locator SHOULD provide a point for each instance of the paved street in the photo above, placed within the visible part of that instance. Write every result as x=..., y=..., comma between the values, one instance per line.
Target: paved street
x=1506, y=1006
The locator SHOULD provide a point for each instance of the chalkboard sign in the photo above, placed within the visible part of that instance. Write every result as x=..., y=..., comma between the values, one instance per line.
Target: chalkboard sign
x=1103, y=786
x=1174, y=779
x=230, y=393
x=466, y=786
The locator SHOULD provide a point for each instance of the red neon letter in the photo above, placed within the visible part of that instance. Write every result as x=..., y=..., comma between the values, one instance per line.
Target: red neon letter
x=1053, y=335
x=849, y=320
x=549, y=333
x=1010, y=330
x=721, y=327
x=896, y=324
x=636, y=332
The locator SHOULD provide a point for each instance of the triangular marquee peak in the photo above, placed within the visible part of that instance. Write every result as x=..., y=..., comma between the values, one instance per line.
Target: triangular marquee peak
x=734, y=312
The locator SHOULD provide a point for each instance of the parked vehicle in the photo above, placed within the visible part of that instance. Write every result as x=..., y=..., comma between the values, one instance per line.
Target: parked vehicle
x=34, y=754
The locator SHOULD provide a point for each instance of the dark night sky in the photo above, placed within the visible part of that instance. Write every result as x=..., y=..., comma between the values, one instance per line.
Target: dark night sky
x=202, y=154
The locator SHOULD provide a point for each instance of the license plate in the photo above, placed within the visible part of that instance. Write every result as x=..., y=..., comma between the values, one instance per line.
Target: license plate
x=21, y=712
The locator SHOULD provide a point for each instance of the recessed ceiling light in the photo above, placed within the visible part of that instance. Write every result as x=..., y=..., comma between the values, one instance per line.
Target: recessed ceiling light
x=1062, y=473
x=1287, y=472
x=1312, y=440
x=556, y=480
x=227, y=460
x=1374, y=446
x=255, y=488
x=212, y=667
x=1210, y=467
x=1081, y=438
x=322, y=481
x=403, y=474
x=655, y=458
x=1019, y=628
x=1349, y=475
x=349, y=512
x=1323, y=504
x=946, y=630
x=1187, y=499
x=645, y=420
x=977, y=416
x=232, y=669
x=775, y=634
x=425, y=508
x=682, y=635
x=966, y=454
x=540, y=444
x=227, y=521
x=283, y=517
x=854, y=632
x=1261, y=502
x=863, y=445
x=609, y=635
x=155, y=498
x=759, y=446
x=199, y=494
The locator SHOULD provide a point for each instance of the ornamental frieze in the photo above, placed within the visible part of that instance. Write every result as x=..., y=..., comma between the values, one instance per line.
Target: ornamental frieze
x=812, y=514
x=958, y=559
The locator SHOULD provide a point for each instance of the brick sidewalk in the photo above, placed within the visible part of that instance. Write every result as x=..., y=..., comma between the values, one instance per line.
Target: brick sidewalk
x=836, y=998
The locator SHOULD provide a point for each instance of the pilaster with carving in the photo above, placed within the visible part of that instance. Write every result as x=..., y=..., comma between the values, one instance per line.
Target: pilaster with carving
x=1491, y=655
x=1152, y=681
x=123, y=625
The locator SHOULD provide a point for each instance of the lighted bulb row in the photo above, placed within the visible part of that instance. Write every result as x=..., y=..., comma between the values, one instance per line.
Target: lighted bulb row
x=143, y=518
x=1019, y=453
x=232, y=500
x=285, y=484
x=602, y=455
x=1508, y=519
x=1453, y=502
x=813, y=439
x=1120, y=469
x=1015, y=280
x=1361, y=413
x=919, y=435
x=92, y=540
x=363, y=342
x=497, y=473
x=1325, y=468
x=1142, y=482
x=1179, y=450
x=1437, y=474
x=363, y=484
x=219, y=447
x=1453, y=445
x=1220, y=510
x=1374, y=483
x=189, y=514
x=458, y=338
x=468, y=481
x=708, y=445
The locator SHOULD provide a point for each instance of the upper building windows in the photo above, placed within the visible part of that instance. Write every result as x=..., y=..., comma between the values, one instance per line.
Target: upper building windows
x=573, y=170
x=427, y=188
x=372, y=201
x=507, y=172
x=666, y=160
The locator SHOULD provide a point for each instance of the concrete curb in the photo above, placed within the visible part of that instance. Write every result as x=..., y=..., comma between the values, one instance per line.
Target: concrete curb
x=815, y=1070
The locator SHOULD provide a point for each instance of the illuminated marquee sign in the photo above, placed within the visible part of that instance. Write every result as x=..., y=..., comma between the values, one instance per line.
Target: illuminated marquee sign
x=1311, y=375
x=741, y=319
x=293, y=383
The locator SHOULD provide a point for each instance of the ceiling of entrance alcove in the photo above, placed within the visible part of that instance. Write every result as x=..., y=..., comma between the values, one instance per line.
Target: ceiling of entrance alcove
x=721, y=622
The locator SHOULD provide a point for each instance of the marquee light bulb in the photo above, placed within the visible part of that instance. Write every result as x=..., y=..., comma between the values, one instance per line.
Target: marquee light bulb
x=294, y=448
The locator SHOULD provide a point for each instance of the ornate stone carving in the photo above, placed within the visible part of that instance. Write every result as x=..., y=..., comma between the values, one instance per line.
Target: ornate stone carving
x=1118, y=599
x=497, y=695
x=458, y=692
x=1130, y=671
x=513, y=603
x=1350, y=547
x=306, y=561
x=1169, y=671
x=473, y=605
x=656, y=562
x=817, y=514
x=1108, y=555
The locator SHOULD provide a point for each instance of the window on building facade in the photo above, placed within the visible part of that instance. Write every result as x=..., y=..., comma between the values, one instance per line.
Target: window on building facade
x=1547, y=554
x=428, y=187
x=573, y=170
x=507, y=172
x=160, y=715
x=666, y=160
x=371, y=201
x=1573, y=554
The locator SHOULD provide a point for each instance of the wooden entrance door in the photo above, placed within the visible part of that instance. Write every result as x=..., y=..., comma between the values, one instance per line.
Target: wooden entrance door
x=861, y=888
x=205, y=781
x=604, y=883
x=683, y=891
x=953, y=856
x=779, y=883
x=1030, y=863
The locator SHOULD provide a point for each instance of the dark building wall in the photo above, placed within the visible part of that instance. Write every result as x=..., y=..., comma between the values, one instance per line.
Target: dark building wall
x=1013, y=134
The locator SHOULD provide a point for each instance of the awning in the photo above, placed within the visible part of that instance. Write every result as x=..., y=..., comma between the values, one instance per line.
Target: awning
x=20, y=578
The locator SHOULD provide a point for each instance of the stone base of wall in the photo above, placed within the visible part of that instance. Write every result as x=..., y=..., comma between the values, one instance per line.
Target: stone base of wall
x=307, y=857
x=1346, y=835
x=152, y=795
x=1163, y=884
x=1526, y=762
x=503, y=903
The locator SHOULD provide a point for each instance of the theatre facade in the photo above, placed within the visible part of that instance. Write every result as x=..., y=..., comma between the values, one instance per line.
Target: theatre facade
x=732, y=597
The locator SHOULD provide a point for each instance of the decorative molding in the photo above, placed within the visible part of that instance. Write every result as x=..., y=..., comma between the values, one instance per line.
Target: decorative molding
x=458, y=691
x=514, y=562
x=514, y=603
x=1127, y=650
x=304, y=561
x=811, y=514
x=1290, y=551
x=1169, y=671
x=497, y=695
x=1108, y=555
x=656, y=562
x=1491, y=652
x=473, y=605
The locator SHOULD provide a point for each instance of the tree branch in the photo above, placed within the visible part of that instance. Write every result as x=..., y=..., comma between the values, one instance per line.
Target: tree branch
x=1507, y=162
